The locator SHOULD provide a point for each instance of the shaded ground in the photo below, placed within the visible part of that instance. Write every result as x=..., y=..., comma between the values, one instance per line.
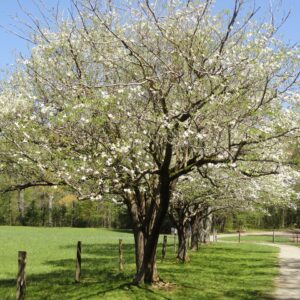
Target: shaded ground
x=217, y=271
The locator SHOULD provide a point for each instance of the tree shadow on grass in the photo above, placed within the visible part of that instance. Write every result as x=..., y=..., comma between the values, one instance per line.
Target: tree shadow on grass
x=248, y=274
x=101, y=278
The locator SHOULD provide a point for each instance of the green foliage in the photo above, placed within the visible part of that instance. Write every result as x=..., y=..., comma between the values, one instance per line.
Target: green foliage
x=59, y=215
x=219, y=271
x=66, y=210
x=5, y=209
x=32, y=214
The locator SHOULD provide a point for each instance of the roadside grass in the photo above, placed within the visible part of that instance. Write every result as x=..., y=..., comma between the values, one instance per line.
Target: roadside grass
x=260, y=239
x=216, y=271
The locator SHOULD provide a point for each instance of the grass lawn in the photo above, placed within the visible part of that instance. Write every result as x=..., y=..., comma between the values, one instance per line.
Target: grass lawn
x=216, y=271
x=260, y=239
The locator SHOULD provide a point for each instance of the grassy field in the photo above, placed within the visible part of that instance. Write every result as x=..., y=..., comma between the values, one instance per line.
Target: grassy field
x=260, y=239
x=217, y=271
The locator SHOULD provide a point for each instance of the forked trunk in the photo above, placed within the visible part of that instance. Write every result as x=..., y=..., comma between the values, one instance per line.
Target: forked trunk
x=207, y=225
x=201, y=226
x=196, y=227
x=139, y=243
x=145, y=248
x=194, y=242
x=147, y=212
x=182, y=255
x=153, y=216
x=147, y=272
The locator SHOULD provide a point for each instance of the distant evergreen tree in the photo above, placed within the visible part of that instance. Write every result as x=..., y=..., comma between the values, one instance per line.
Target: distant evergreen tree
x=32, y=215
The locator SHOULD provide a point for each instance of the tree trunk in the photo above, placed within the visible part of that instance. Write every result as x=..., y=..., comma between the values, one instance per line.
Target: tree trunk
x=164, y=248
x=147, y=219
x=222, y=225
x=182, y=255
x=146, y=245
x=201, y=225
x=147, y=211
x=196, y=227
x=207, y=226
x=50, y=207
x=283, y=218
x=148, y=272
x=145, y=257
x=21, y=206
x=139, y=243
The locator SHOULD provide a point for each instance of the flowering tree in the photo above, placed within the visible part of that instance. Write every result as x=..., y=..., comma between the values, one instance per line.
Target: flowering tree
x=126, y=98
x=199, y=196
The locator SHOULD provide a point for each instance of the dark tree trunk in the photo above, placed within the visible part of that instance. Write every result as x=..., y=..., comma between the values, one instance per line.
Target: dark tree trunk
x=164, y=248
x=145, y=251
x=182, y=255
x=139, y=242
x=145, y=257
x=222, y=223
x=196, y=227
x=181, y=221
x=147, y=272
x=201, y=226
x=147, y=217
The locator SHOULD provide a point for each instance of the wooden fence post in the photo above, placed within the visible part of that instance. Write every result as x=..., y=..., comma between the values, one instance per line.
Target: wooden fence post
x=239, y=236
x=121, y=260
x=273, y=236
x=21, y=279
x=164, y=247
x=78, y=263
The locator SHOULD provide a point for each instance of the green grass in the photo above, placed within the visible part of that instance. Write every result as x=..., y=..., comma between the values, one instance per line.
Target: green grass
x=217, y=271
x=260, y=239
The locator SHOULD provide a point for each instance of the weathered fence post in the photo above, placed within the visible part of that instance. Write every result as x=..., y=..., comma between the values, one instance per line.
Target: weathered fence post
x=21, y=279
x=273, y=236
x=78, y=263
x=164, y=247
x=121, y=260
x=239, y=232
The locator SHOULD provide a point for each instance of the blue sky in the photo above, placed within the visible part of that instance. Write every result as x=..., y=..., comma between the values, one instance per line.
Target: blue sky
x=11, y=45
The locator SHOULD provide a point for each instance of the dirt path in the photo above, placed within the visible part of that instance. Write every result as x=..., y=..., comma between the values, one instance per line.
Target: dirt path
x=288, y=282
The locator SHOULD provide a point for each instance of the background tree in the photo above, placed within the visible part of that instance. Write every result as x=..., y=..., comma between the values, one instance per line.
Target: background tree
x=211, y=190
